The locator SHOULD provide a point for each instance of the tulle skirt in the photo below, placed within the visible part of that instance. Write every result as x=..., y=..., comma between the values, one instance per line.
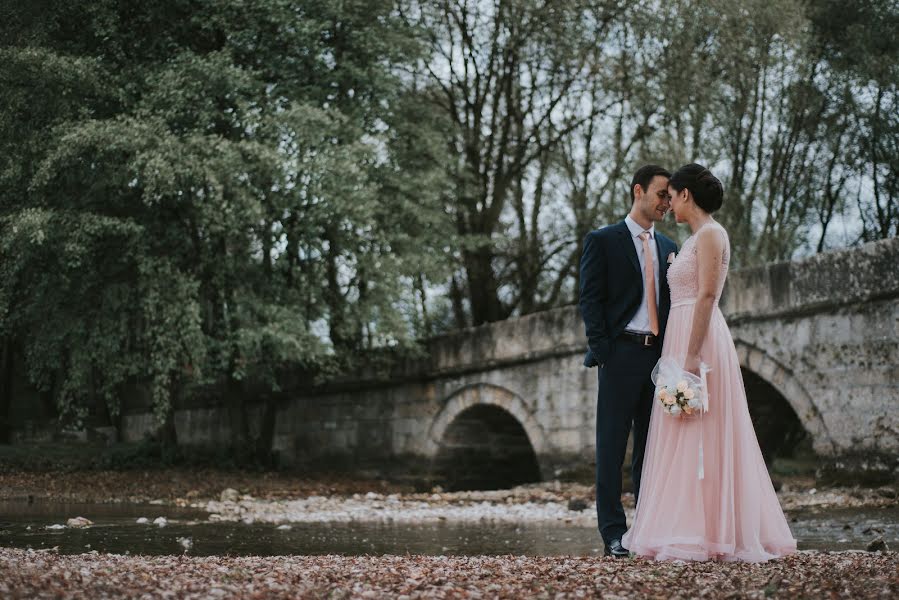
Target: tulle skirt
x=732, y=513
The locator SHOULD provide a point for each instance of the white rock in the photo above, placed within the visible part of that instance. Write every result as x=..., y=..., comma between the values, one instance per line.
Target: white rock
x=56, y=526
x=229, y=495
x=143, y=521
x=79, y=522
x=160, y=521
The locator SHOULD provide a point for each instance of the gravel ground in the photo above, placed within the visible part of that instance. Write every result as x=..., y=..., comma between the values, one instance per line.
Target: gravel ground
x=540, y=503
x=284, y=498
x=184, y=487
x=523, y=504
x=30, y=574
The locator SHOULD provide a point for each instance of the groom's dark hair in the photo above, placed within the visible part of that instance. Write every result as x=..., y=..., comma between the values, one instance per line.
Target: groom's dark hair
x=644, y=176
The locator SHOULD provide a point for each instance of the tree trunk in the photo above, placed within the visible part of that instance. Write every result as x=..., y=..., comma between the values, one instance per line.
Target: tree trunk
x=482, y=286
x=263, y=443
x=168, y=435
x=457, y=296
x=5, y=391
x=237, y=411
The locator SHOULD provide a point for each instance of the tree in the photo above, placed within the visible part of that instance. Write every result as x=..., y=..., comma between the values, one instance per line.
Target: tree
x=501, y=74
x=195, y=173
x=857, y=42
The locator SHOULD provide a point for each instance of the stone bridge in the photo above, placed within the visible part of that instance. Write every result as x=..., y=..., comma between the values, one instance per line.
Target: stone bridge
x=818, y=341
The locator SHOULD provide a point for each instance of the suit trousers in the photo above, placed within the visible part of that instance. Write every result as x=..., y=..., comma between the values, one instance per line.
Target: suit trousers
x=624, y=400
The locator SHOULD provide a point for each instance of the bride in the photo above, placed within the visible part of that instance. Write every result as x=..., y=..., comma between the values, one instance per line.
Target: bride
x=729, y=512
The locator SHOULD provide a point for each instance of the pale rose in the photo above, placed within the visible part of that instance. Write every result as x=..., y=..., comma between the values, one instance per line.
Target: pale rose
x=682, y=386
x=669, y=400
x=689, y=393
x=674, y=410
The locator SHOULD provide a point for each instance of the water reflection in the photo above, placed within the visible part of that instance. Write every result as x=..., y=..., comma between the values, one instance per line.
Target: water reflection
x=116, y=531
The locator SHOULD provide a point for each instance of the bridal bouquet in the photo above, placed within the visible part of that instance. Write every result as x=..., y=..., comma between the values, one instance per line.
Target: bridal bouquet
x=683, y=394
x=680, y=392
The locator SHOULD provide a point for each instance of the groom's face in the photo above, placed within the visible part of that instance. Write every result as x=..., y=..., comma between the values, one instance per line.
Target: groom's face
x=654, y=202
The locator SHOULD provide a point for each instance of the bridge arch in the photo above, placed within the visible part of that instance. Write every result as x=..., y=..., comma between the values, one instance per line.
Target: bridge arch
x=485, y=437
x=773, y=373
x=485, y=393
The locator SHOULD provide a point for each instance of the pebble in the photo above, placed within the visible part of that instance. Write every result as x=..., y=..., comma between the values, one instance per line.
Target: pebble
x=160, y=521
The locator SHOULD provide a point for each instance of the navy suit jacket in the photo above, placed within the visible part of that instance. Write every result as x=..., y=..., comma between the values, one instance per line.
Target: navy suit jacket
x=611, y=287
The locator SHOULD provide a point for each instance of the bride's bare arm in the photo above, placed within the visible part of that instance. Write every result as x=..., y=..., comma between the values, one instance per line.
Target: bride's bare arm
x=709, y=254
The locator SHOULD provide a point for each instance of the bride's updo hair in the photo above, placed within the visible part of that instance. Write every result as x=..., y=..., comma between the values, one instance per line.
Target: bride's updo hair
x=708, y=193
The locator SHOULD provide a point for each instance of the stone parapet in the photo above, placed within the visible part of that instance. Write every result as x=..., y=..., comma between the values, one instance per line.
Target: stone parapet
x=822, y=282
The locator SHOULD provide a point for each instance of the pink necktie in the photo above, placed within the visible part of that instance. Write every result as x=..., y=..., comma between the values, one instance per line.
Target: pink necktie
x=650, y=285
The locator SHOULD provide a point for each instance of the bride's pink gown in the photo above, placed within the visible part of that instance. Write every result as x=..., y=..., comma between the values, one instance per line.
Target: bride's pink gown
x=733, y=512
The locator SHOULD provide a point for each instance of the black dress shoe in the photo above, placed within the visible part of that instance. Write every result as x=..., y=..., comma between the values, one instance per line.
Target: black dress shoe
x=614, y=548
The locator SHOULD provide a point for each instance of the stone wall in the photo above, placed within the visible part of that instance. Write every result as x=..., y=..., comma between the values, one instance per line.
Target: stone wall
x=406, y=417
x=824, y=332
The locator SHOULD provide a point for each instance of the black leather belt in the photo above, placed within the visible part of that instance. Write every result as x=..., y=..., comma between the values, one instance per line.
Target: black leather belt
x=644, y=339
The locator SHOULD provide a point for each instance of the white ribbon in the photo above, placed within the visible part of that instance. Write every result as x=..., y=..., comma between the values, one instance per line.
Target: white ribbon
x=703, y=370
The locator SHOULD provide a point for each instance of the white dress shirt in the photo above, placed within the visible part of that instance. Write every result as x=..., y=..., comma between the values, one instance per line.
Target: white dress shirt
x=640, y=322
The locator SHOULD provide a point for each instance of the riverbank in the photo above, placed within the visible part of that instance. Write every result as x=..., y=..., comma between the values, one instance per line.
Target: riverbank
x=258, y=492
x=30, y=574
x=178, y=486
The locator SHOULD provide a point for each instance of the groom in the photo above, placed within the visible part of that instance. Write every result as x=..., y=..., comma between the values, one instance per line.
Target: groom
x=624, y=302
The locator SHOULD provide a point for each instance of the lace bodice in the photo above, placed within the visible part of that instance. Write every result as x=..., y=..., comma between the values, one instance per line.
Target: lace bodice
x=683, y=275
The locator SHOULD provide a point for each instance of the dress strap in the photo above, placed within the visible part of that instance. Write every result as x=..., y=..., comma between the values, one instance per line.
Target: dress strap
x=709, y=222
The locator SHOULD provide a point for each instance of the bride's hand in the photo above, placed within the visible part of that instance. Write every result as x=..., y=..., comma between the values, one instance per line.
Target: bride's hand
x=691, y=365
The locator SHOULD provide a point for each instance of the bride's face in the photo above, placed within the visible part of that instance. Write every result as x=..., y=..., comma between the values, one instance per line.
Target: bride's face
x=678, y=204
